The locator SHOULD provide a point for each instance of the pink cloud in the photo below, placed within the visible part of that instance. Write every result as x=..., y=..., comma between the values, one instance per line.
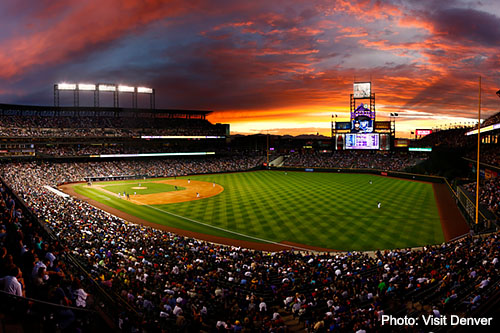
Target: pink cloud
x=77, y=27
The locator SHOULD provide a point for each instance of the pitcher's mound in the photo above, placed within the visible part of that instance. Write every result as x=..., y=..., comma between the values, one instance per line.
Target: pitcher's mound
x=139, y=188
x=193, y=190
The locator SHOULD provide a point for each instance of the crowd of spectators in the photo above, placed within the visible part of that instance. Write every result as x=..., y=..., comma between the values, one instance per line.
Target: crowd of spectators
x=99, y=126
x=181, y=283
x=356, y=159
x=33, y=265
x=489, y=193
x=453, y=138
x=136, y=148
x=490, y=154
x=494, y=119
x=56, y=173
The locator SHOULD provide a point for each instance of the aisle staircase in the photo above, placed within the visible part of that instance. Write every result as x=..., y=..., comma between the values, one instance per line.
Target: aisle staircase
x=291, y=323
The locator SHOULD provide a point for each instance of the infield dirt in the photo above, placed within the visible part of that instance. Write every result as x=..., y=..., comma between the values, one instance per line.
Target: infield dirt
x=452, y=222
x=189, y=193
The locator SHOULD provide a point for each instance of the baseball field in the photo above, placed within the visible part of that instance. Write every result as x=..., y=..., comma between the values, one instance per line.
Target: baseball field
x=299, y=209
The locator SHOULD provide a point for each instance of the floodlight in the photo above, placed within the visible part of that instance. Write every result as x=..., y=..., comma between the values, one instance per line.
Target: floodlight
x=66, y=86
x=144, y=90
x=126, y=89
x=86, y=86
x=107, y=87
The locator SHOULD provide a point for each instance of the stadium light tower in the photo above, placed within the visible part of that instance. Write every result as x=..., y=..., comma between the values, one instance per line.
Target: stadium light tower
x=65, y=87
x=108, y=87
x=128, y=89
x=150, y=92
x=86, y=87
x=393, y=123
x=97, y=88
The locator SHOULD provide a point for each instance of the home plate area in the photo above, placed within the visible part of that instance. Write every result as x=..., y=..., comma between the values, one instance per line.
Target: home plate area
x=193, y=190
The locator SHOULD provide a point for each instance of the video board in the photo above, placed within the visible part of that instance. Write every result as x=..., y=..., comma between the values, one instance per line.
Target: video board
x=342, y=125
x=362, y=141
x=423, y=132
x=362, y=124
x=385, y=141
x=362, y=90
x=362, y=119
x=383, y=125
x=401, y=143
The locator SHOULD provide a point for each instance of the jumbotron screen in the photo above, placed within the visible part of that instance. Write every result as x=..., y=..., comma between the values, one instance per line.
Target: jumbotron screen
x=362, y=141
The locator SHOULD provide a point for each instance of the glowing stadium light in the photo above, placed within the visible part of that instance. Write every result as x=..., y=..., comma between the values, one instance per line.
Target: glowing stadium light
x=149, y=137
x=126, y=88
x=66, y=86
x=107, y=87
x=144, y=90
x=154, y=154
x=484, y=129
x=86, y=86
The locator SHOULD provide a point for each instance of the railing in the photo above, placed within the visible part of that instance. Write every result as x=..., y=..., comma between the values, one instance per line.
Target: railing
x=37, y=315
x=111, y=305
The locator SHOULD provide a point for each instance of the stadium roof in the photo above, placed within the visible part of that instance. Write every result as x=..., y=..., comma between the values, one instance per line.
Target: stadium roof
x=97, y=109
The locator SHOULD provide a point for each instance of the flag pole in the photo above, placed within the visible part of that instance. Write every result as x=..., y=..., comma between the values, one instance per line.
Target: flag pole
x=478, y=145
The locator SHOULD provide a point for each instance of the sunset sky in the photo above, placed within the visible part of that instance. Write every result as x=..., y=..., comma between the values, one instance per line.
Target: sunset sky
x=280, y=67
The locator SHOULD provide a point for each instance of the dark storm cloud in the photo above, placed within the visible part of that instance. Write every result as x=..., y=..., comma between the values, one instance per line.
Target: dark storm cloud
x=467, y=25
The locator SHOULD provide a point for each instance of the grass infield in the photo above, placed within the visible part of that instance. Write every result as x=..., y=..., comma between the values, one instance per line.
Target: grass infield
x=329, y=210
x=149, y=187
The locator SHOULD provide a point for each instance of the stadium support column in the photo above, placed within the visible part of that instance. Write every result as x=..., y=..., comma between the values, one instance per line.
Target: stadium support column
x=152, y=99
x=392, y=117
x=267, y=149
x=478, y=145
x=331, y=135
x=334, y=125
x=372, y=106
x=76, y=97
x=56, y=95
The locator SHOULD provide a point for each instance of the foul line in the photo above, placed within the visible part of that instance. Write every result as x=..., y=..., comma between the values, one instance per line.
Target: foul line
x=56, y=191
x=232, y=232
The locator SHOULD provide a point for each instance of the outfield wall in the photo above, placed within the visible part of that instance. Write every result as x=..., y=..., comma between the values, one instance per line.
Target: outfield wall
x=397, y=174
x=464, y=206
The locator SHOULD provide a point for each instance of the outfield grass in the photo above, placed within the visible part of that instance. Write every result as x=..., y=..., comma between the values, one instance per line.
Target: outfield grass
x=151, y=188
x=331, y=210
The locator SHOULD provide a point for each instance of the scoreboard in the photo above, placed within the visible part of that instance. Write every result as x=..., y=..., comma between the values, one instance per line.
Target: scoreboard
x=362, y=141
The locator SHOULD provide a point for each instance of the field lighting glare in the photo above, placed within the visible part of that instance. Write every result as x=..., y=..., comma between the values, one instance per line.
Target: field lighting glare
x=126, y=89
x=107, y=87
x=144, y=90
x=98, y=88
x=86, y=86
x=66, y=86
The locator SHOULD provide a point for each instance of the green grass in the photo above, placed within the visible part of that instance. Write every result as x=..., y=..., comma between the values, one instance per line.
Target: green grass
x=151, y=187
x=331, y=210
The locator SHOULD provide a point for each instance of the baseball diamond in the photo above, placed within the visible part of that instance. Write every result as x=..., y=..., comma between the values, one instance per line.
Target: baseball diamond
x=249, y=166
x=325, y=210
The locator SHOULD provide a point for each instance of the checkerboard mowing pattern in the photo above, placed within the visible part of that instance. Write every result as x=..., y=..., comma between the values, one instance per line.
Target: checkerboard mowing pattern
x=329, y=210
